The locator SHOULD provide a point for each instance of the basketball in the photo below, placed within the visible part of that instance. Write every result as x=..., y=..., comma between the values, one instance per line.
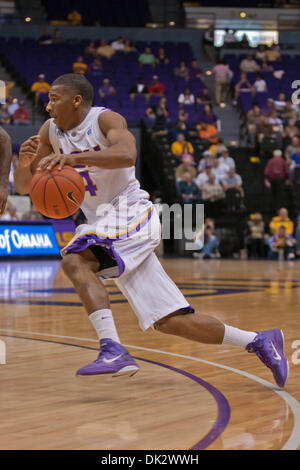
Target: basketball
x=57, y=194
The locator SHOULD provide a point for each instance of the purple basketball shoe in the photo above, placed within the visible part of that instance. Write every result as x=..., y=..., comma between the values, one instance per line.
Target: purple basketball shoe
x=113, y=359
x=269, y=347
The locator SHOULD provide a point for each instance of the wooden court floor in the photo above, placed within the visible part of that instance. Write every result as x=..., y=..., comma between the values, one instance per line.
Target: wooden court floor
x=185, y=396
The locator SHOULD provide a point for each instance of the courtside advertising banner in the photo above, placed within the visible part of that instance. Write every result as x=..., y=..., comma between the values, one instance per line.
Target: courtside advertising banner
x=27, y=240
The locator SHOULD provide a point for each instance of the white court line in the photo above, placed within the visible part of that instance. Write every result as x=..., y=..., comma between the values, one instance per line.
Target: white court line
x=291, y=444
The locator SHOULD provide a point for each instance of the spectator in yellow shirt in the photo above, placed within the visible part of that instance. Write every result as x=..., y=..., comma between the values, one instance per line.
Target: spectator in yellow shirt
x=282, y=220
x=74, y=17
x=272, y=55
x=79, y=66
x=181, y=146
x=40, y=86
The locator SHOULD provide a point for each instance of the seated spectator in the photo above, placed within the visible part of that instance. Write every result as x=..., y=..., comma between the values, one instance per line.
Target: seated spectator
x=260, y=53
x=267, y=129
x=105, y=50
x=226, y=160
x=260, y=84
x=272, y=55
x=21, y=116
x=79, y=66
x=282, y=240
x=242, y=85
x=182, y=71
x=207, y=132
x=203, y=96
x=217, y=148
x=46, y=37
x=147, y=58
x=128, y=46
x=233, y=181
x=181, y=146
x=106, y=89
x=118, y=44
x=213, y=196
x=160, y=114
x=244, y=42
x=203, y=177
x=206, y=161
x=180, y=128
x=229, y=37
x=268, y=108
x=276, y=176
x=74, y=18
x=40, y=86
x=195, y=71
x=291, y=130
x=249, y=64
x=161, y=57
x=208, y=115
x=188, y=190
x=219, y=169
x=280, y=103
x=210, y=243
x=140, y=88
x=256, y=237
x=95, y=67
x=91, y=49
x=253, y=120
x=156, y=87
x=58, y=37
x=292, y=147
x=5, y=117
x=183, y=115
x=187, y=97
x=295, y=159
x=282, y=219
x=290, y=112
x=12, y=105
x=186, y=165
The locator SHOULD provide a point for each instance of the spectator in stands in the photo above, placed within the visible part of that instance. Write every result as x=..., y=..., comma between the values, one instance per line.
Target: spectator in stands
x=140, y=88
x=243, y=85
x=280, y=103
x=8, y=86
x=267, y=130
x=207, y=132
x=229, y=37
x=161, y=116
x=203, y=97
x=96, y=68
x=21, y=116
x=222, y=74
x=188, y=190
x=40, y=86
x=91, y=49
x=256, y=238
x=206, y=161
x=187, y=164
x=282, y=240
x=182, y=71
x=195, y=71
x=106, y=88
x=265, y=67
x=187, y=97
x=276, y=176
x=128, y=46
x=272, y=55
x=46, y=37
x=260, y=53
x=147, y=57
x=249, y=64
x=105, y=50
x=12, y=105
x=181, y=146
x=210, y=243
x=233, y=181
x=260, y=84
x=74, y=18
x=282, y=219
x=226, y=159
x=161, y=57
x=290, y=112
x=208, y=115
x=118, y=44
x=213, y=196
x=244, y=42
x=291, y=130
x=217, y=148
x=294, y=162
x=5, y=117
x=58, y=37
x=292, y=147
x=181, y=128
x=183, y=115
x=79, y=66
x=208, y=43
x=156, y=87
x=253, y=120
x=203, y=177
x=219, y=169
x=269, y=107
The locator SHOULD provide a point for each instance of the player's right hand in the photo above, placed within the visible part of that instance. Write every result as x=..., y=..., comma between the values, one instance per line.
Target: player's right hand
x=28, y=151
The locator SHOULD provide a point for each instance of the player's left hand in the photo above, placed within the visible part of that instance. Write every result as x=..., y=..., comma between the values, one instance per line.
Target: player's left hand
x=3, y=197
x=49, y=162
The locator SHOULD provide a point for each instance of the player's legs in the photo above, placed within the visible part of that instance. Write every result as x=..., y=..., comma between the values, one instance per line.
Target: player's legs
x=81, y=268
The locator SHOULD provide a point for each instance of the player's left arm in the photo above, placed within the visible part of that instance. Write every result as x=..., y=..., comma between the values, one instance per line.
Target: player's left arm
x=5, y=162
x=121, y=151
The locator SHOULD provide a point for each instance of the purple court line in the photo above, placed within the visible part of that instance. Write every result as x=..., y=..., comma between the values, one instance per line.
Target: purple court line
x=222, y=403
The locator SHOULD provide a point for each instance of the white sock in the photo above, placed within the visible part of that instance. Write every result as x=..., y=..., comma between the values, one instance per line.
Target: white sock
x=237, y=337
x=104, y=324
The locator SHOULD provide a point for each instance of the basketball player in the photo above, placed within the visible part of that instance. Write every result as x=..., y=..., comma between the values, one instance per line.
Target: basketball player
x=5, y=162
x=106, y=154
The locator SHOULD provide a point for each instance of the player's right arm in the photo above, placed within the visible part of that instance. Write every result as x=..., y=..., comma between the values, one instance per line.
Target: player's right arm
x=31, y=152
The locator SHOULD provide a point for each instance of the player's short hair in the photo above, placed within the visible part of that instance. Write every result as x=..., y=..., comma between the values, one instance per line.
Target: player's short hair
x=79, y=84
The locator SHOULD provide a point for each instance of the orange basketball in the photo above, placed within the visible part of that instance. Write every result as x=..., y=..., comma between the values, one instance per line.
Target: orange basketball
x=57, y=193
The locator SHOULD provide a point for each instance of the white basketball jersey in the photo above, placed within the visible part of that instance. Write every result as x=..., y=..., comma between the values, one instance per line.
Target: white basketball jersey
x=102, y=186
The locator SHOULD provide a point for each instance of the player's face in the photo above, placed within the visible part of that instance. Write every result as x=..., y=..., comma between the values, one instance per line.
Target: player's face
x=61, y=106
